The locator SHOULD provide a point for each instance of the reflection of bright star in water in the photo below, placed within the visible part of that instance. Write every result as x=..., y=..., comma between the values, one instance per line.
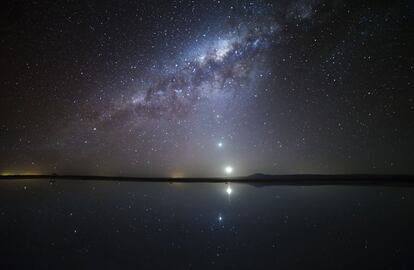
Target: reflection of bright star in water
x=220, y=218
x=229, y=190
x=228, y=169
x=220, y=144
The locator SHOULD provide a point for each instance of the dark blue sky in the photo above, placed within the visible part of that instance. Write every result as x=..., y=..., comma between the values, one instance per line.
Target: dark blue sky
x=190, y=88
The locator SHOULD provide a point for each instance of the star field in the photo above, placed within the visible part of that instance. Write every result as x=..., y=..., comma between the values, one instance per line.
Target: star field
x=202, y=88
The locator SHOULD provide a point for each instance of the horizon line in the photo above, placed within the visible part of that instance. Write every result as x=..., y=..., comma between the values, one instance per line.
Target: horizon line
x=257, y=179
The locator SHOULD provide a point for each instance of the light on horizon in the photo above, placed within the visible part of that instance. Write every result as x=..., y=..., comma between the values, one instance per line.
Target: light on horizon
x=228, y=170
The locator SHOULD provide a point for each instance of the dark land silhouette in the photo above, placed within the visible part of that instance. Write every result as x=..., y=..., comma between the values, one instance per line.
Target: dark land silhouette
x=257, y=179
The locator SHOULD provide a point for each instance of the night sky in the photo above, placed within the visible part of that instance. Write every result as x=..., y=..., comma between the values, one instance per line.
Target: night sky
x=206, y=88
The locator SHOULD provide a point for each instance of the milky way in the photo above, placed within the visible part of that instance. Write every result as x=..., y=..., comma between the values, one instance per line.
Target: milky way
x=223, y=69
x=190, y=94
x=190, y=88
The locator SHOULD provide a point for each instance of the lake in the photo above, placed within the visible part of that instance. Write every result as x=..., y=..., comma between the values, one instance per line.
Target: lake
x=131, y=225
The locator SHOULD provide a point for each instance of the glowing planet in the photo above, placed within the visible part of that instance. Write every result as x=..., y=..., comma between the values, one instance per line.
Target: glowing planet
x=228, y=169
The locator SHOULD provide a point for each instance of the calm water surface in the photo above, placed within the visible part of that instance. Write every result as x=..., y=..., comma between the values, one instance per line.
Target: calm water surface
x=113, y=225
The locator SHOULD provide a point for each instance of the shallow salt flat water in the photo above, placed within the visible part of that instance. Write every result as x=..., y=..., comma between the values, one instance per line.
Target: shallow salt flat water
x=128, y=225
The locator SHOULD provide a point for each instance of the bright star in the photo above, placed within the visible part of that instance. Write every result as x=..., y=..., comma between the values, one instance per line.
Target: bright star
x=220, y=144
x=228, y=169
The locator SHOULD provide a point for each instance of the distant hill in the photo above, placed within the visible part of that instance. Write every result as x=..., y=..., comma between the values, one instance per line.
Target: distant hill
x=304, y=177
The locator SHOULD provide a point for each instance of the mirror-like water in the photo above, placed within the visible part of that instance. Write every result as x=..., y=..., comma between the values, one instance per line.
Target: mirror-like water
x=129, y=225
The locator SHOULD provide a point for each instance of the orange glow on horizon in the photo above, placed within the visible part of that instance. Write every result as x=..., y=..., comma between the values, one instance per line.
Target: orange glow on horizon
x=20, y=172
